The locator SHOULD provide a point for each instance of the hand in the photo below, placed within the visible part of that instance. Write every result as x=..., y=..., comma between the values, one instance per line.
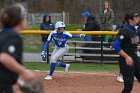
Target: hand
x=82, y=35
x=27, y=75
x=43, y=54
x=129, y=61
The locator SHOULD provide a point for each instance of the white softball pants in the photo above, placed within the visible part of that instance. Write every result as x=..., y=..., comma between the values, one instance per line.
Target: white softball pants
x=58, y=52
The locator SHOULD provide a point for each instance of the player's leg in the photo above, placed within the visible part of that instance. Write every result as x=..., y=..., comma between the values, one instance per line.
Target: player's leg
x=52, y=66
x=137, y=69
x=57, y=55
x=53, y=61
x=128, y=75
x=120, y=77
x=62, y=52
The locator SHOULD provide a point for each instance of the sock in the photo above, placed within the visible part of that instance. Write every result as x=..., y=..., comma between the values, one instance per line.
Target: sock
x=60, y=64
x=52, y=68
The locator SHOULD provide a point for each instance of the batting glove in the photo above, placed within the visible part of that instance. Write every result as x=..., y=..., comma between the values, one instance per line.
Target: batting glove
x=43, y=54
x=82, y=35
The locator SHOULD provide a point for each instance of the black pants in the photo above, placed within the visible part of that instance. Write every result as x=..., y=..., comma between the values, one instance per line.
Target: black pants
x=129, y=72
x=6, y=89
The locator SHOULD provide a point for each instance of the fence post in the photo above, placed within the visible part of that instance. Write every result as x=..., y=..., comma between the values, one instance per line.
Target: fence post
x=64, y=16
x=102, y=49
x=75, y=50
x=33, y=19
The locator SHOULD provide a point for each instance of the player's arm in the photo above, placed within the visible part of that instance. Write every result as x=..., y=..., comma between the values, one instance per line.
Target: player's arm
x=78, y=36
x=43, y=53
x=7, y=59
x=117, y=47
x=75, y=36
x=10, y=63
x=46, y=45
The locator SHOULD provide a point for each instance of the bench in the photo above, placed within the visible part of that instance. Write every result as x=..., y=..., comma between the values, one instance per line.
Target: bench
x=82, y=55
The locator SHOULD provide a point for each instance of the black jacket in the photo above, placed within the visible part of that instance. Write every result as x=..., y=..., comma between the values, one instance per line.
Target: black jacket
x=91, y=24
x=10, y=43
x=46, y=26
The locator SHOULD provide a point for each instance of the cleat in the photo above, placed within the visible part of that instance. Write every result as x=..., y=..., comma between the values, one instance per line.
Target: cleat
x=42, y=61
x=120, y=79
x=66, y=68
x=48, y=77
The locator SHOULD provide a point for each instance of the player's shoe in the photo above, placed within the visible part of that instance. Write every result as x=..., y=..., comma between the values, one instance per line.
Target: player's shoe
x=48, y=77
x=66, y=69
x=43, y=61
x=120, y=79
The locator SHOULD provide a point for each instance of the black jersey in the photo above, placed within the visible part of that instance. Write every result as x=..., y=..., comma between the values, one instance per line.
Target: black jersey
x=10, y=43
x=129, y=38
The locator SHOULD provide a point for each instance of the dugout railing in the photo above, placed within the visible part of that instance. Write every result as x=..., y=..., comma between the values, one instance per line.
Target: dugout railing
x=101, y=53
x=97, y=52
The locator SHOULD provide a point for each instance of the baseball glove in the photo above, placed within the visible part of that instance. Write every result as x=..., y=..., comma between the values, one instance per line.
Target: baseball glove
x=33, y=86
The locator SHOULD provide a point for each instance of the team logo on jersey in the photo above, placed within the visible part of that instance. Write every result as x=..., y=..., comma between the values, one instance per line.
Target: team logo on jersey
x=59, y=39
x=59, y=43
x=121, y=37
x=11, y=49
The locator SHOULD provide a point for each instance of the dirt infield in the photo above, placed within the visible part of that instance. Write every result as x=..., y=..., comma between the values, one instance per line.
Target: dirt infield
x=83, y=83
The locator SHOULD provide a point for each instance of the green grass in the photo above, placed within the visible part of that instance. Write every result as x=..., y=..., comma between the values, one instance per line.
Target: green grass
x=33, y=27
x=32, y=43
x=35, y=48
x=73, y=27
x=79, y=67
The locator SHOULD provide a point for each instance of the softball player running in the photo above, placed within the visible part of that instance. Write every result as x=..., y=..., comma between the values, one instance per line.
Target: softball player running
x=60, y=38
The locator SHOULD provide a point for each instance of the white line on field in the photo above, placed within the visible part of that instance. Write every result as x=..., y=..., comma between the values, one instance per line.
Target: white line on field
x=89, y=73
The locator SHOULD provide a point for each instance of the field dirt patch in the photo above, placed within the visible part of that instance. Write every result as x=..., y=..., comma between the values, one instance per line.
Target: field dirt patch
x=83, y=83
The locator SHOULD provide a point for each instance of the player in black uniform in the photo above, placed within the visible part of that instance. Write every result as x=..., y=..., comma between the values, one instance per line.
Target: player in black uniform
x=126, y=46
x=13, y=21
